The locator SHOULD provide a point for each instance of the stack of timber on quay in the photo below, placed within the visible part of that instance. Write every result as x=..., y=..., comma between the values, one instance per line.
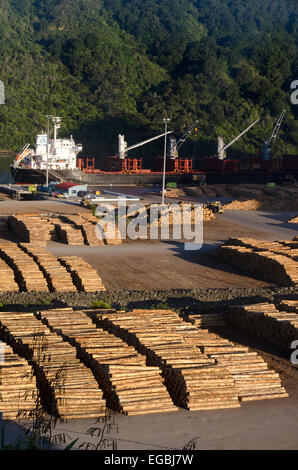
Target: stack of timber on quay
x=27, y=273
x=67, y=387
x=135, y=362
x=201, y=370
x=271, y=261
x=193, y=380
x=252, y=377
x=84, y=277
x=30, y=227
x=277, y=327
x=88, y=227
x=29, y=267
x=207, y=321
x=65, y=274
x=58, y=278
x=18, y=392
x=129, y=385
x=7, y=278
x=288, y=306
x=73, y=229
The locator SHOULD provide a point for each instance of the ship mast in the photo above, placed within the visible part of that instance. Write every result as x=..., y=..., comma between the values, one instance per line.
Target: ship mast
x=56, y=121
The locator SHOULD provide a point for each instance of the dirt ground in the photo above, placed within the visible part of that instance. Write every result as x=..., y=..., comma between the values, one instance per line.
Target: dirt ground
x=145, y=264
x=162, y=265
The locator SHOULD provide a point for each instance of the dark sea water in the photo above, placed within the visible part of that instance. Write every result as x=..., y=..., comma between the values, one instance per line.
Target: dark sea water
x=5, y=176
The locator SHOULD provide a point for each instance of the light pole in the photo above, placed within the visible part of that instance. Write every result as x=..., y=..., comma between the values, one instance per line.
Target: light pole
x=165, y=120
x=49, y=116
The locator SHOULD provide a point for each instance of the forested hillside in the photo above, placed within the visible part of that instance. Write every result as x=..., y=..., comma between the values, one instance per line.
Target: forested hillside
x=110, y=66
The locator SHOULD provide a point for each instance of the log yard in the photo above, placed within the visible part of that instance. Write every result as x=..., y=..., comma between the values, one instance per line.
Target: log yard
x=139, y=327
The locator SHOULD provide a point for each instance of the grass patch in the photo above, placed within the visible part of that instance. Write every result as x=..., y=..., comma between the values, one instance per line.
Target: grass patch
x=100, y=304
x=44, y=301
x=160, y=306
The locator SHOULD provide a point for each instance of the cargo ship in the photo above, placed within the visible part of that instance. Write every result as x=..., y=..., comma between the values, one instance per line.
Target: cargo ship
x=58, y=158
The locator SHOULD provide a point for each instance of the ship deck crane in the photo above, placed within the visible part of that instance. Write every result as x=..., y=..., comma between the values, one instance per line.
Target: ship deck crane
x=175, y=145
x=221, y=152
x=122, y=145
x=20, y=157
x=268, y=143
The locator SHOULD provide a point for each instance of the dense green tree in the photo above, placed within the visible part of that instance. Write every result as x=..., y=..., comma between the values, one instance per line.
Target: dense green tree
x=110, y=66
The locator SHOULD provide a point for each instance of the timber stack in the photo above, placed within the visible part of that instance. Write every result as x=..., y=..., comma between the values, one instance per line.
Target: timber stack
x=87, y=227
x=69, y=234
x=58, y=278
x=207, y=321
x=129, y=385
x=7, y=278
x=85, y=278
x=264, y=264
x=30, y=227
x=67, y=387
x=27, y=273
x=18, y=392
x=265, y=321
x=288, y=306
x=253, y=380
x=193, y=380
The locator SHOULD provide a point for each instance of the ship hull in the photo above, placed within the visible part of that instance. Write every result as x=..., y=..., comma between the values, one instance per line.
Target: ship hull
x=30, y=176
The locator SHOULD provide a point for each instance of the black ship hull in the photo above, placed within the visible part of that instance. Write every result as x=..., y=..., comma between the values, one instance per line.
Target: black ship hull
x=31, y=176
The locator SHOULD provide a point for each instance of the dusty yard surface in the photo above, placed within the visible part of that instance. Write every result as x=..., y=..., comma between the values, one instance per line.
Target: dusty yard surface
x=145, y=264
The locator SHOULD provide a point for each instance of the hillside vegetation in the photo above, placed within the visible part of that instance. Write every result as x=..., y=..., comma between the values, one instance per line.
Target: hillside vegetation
x=111, y=66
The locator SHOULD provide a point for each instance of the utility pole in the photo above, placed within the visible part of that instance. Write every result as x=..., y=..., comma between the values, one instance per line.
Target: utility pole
x=165, y=120
x=49, y=116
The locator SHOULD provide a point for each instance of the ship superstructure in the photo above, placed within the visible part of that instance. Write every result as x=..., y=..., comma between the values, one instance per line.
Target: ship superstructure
x=54, y=154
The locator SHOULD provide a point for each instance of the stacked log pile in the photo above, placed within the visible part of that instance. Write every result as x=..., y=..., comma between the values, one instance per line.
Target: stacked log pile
x=27, y=273
x=253, y=380
x=248, y=205
x=85, y=278
x=88, y=228
x=266, y=265
x=293, y=221
x=288, y=306
x=193, y=380
x=292, y=244
x=265, y=321
x=129, y=386
x=57, y=276
x=284, y=248
x=30, y=227
x=207, y=321
x=7, y=278
x=67, y=387
x=17, y=385
x=69, y=234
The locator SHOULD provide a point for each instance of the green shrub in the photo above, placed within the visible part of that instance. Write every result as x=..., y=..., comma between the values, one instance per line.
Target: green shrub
x=160, y=306
x=100, y=304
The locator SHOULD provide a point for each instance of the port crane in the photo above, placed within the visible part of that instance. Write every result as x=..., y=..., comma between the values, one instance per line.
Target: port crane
x=175, y=145
x=221, y=151
x=123, y=148
x=268, y=143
